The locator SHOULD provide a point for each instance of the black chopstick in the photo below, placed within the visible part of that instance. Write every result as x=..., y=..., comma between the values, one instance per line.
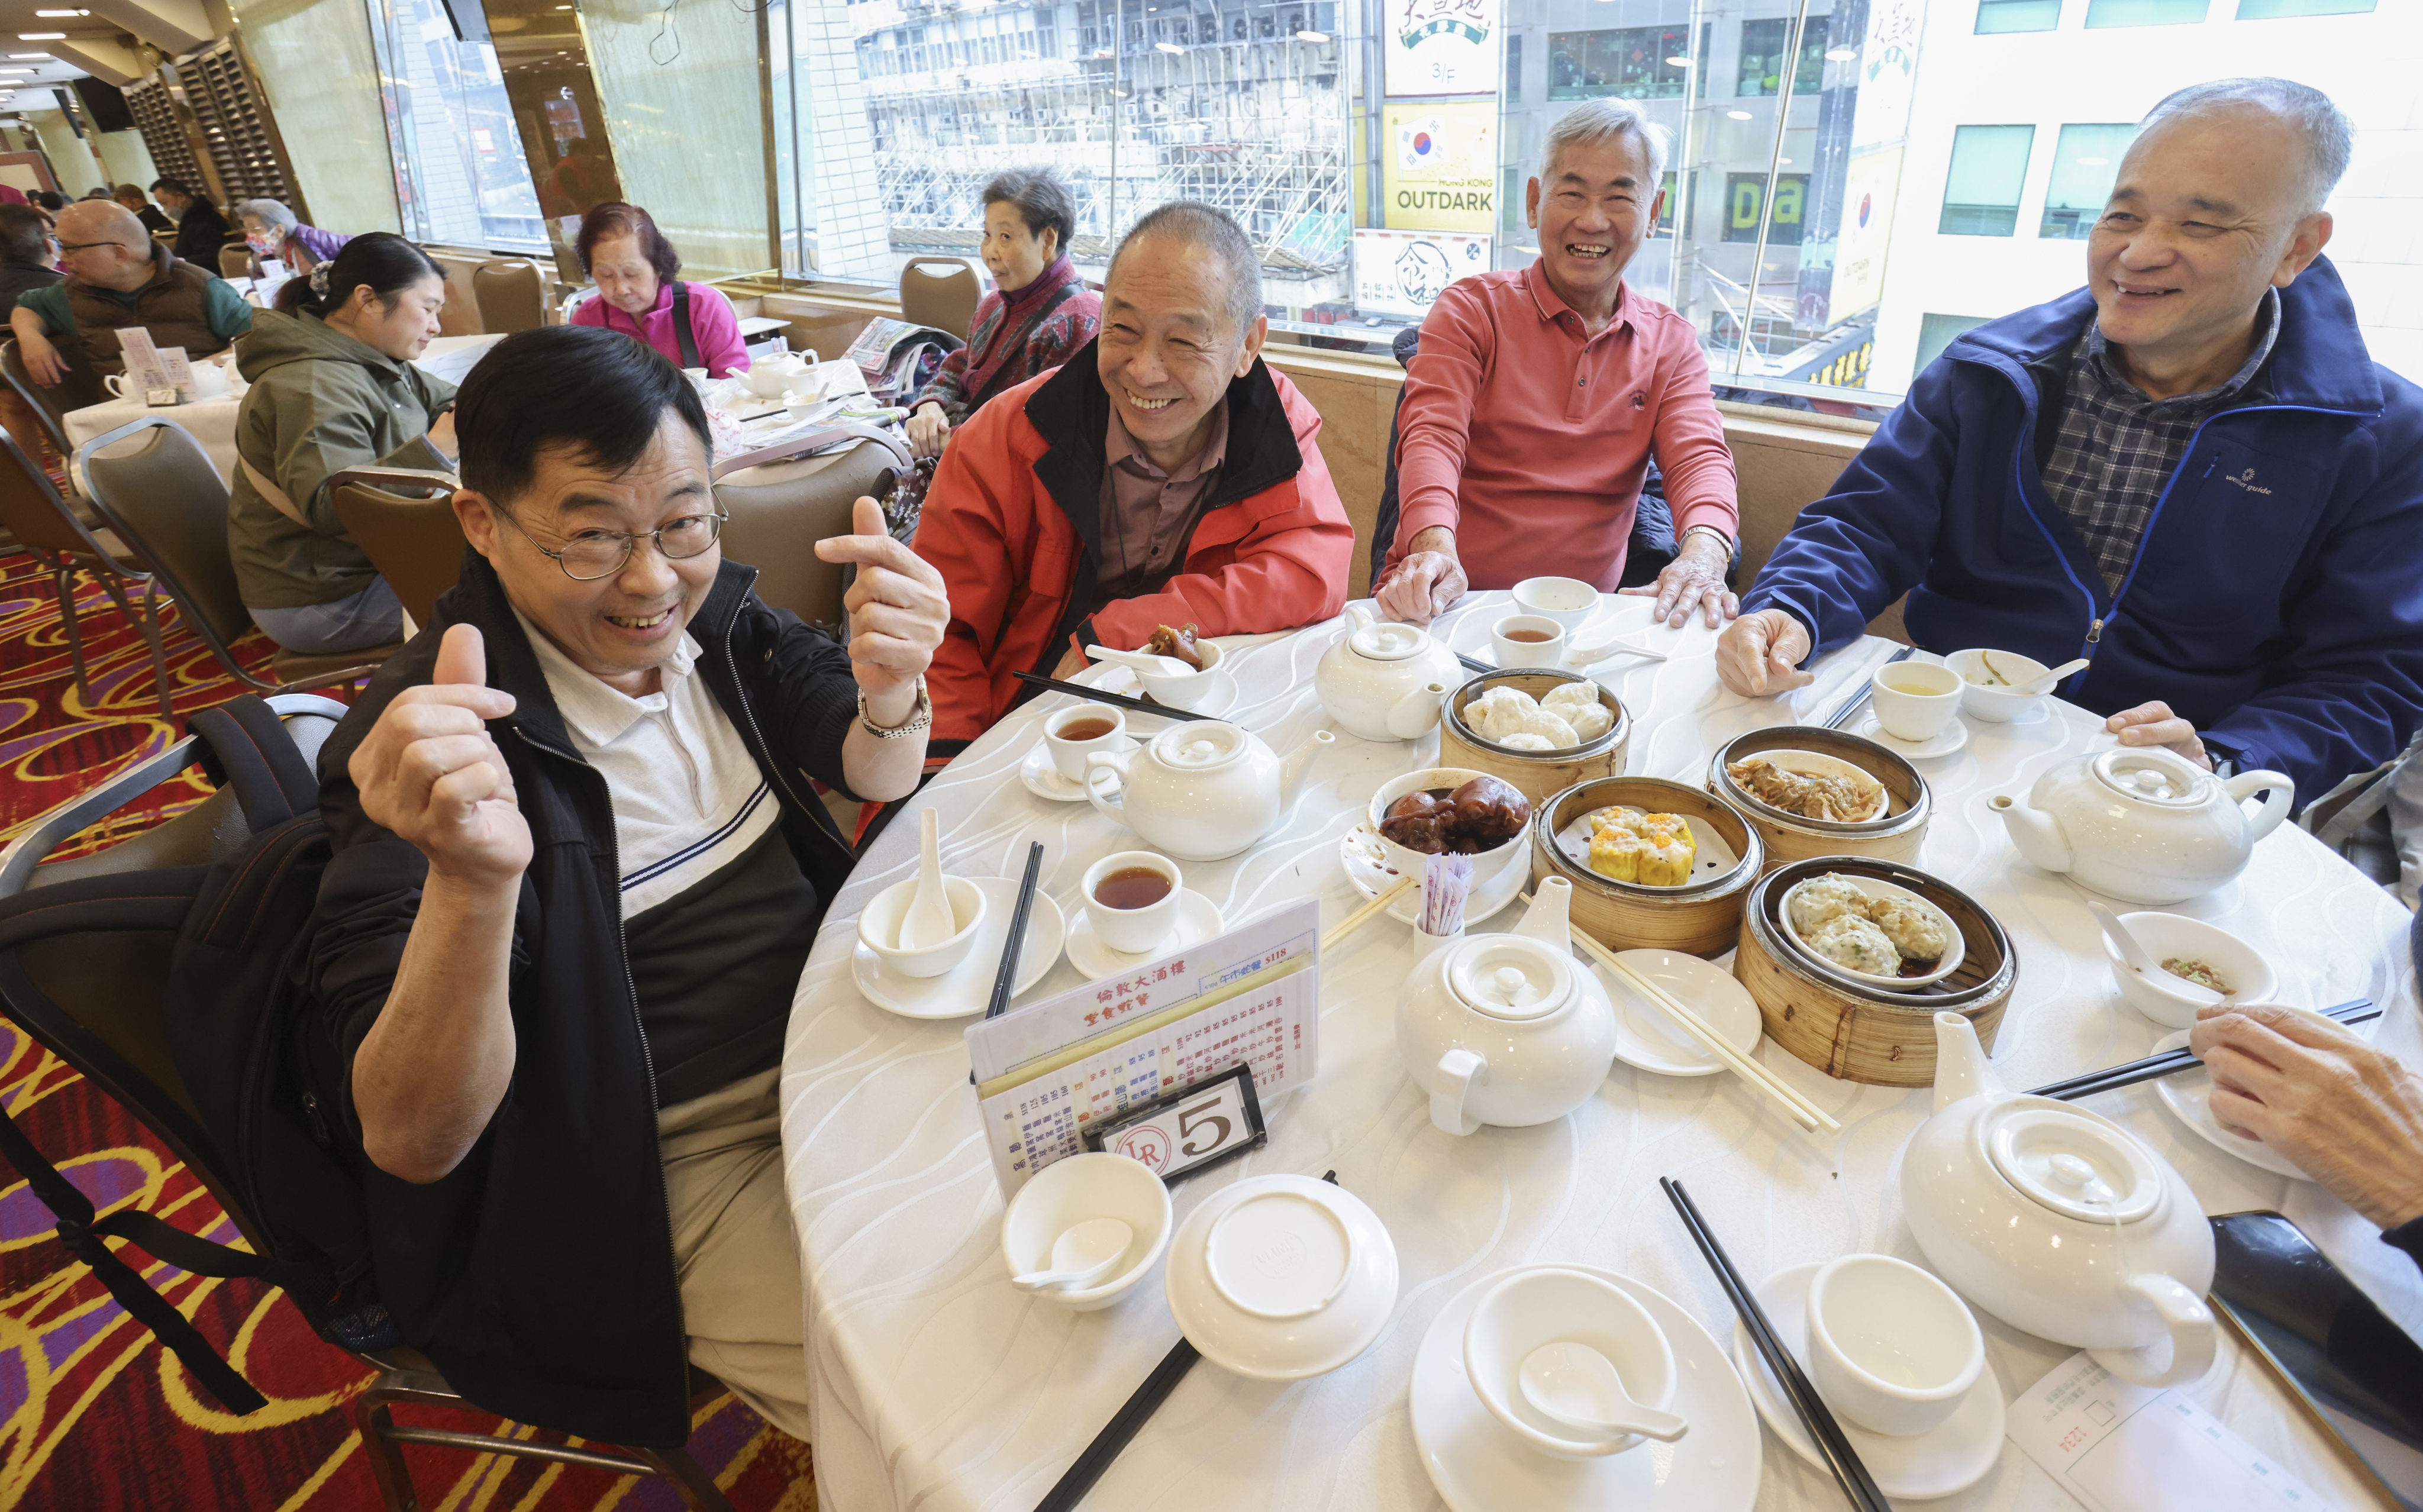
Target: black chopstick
x=1474, y=664
x=1005, y=981
x=1839, y=1456
x=1119, y=700
x=1072, y=1487
x=2154, y=1067
x=1867, y=690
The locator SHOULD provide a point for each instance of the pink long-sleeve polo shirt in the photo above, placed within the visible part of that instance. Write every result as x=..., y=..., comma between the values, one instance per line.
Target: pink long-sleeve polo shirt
x=1528, y=437
x=712, y=324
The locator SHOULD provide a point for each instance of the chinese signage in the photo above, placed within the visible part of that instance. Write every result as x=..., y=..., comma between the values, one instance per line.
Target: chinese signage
x=1400, y=273
x=1438, y=171
x=1443, y=47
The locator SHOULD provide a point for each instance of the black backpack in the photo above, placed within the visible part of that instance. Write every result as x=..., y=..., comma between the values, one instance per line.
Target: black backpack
x=258, y=1119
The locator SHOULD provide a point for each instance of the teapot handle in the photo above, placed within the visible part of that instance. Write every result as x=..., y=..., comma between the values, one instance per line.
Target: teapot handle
x=2188, y=1322
x=1117, y=761
x=1450, y=1083
x=2279, y=796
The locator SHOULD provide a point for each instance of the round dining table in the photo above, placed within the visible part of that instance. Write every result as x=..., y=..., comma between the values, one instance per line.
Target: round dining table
x=936, y=1386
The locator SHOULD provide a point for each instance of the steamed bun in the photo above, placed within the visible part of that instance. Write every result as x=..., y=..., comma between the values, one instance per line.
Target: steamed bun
x=1525, y=740
x=1577, y=704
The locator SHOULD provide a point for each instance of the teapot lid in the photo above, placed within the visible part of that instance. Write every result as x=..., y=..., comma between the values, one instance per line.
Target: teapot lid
x=2161, y=778
x=1199, y=745
x=2072, y=1162
x=1389, y=642
x=1512, y=977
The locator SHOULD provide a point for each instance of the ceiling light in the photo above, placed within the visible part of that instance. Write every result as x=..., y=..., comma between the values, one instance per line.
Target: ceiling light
x=1168, y=47
x=58, y=13
x=1678, y=61
x=44, y=55
x=1313, y=36
x=1738, y=114
x=1841, y=54
x=42, y=37
x=1786, y=162
x=2093, y=163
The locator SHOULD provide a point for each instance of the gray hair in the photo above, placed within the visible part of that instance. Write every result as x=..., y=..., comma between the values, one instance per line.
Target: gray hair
x=1042, y=199
x=2329, y=138
x=267, y=211
x=1200, y=225
x=1594, y=122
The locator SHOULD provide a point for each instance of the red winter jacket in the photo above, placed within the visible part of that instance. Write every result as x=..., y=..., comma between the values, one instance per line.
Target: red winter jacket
x=1013, y=523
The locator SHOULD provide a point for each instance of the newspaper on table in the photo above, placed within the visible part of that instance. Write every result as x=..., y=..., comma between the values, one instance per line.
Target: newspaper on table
x=1044, y=1072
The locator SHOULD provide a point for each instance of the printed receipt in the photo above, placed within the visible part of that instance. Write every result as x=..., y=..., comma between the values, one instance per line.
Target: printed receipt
x=2120, y=1447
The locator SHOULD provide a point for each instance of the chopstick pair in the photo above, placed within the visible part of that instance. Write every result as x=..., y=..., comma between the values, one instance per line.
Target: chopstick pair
x=1364, y=915
x=2154, y=1067
x=1843, y=1460
x=1804, y=1112
x=1117, y=701
x=1005, y=981
x=1867, y=690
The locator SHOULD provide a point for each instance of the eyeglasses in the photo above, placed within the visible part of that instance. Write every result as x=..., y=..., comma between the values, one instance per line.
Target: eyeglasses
x=79, y=246
x=594, y=554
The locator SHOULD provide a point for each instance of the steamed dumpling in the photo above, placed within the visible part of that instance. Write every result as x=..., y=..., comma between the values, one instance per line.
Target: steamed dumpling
x=1826, y=898
x=1917, y=932
x=1525, y=740
x=1850, y=939
x=1538, y=721
x=1577, y=704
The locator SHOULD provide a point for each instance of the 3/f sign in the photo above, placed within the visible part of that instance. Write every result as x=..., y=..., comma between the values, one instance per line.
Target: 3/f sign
x=1188, y=1131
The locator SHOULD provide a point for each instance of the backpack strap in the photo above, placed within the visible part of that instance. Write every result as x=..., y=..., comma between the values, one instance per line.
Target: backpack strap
x=682, y=332
x=247, y=747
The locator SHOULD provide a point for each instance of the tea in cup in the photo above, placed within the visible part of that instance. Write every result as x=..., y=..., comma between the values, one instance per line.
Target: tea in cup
x=1527, y=640
x=1133, y=899
x=1890, y=1347
x=1916, y=699
x=1074, y=733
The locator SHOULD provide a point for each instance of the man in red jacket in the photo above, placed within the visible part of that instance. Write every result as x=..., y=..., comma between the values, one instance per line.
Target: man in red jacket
x=1163, y=476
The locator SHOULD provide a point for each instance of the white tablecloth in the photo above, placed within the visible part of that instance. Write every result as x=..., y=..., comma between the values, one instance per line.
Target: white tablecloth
x=211, y=421
x=939, y=1387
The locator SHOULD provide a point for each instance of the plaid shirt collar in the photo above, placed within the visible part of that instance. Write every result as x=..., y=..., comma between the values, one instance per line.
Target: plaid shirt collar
x=2095, y=355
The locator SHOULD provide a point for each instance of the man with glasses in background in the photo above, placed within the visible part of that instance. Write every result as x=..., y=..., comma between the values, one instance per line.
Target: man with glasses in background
x=119, y=278
x=577, y=868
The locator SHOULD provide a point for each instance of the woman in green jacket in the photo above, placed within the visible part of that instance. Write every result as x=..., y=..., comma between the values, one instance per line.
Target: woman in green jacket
x=333, y=387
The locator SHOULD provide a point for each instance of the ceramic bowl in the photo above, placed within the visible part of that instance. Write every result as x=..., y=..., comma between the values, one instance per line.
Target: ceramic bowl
x=1891, y=1346
x=1186, y=690
x=1070, y=1191
x=1485, y=864
x=1945, y=965
x=1997, y=705
x=2167, y=936
x=1281, y=1277
x=1569, y=601
x=879, y=927
x=1546, y=1305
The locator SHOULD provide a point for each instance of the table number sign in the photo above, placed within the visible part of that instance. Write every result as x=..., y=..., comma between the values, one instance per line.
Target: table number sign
x=1189, y=1130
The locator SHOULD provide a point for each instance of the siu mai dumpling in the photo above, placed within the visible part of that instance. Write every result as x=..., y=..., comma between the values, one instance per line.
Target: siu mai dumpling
x=1666, y=861
x=1616, y=853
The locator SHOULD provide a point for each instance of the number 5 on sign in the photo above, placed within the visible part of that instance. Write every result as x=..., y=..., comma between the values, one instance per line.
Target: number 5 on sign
x=1188, y=1131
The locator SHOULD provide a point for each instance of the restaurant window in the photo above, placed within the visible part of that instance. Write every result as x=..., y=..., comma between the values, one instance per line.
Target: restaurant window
x=1635, y=62
x=2017, y=15
x=2144, y=12
x=323, y=83
x=1936, y=332
x=460, y=172
x=2272, y=9
x=1981, y=193
x=685, y=112
x=1745, y=196
x=2084, y=162
x=1761, y=68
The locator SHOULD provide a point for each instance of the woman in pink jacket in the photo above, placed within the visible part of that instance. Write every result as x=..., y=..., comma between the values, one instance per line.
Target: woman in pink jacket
x=692, y=324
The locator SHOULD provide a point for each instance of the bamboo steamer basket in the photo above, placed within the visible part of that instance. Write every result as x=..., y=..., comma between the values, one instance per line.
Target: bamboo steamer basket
x=1909, y=804
x=1867, y=1034
x=1703, y=917
x=1535, y=774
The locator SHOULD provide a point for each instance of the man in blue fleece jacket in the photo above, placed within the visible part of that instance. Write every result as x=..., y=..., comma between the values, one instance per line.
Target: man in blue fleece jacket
x=2190, y=471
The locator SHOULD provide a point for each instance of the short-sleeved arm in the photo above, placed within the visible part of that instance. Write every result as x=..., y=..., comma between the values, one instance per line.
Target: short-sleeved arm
x=224, y=310
x=50, y=302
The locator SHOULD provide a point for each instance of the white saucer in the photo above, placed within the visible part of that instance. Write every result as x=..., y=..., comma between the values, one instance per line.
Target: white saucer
x=1944, y=742
x=1646, y=1038
x=1044, y=781
x=2189, y=1097
x=1359, y=853
x=1919, y=1468
x=1198, y=920
x=964, y=988
x=1122, y=681
x=1479, y=1465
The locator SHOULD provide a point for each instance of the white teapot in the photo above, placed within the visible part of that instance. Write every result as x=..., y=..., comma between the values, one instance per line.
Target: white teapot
x=1506, y=1028
x=773, y=377
x=2145, y=826
x=1384, y=681
x=1203, y=790
x=2057, y=1220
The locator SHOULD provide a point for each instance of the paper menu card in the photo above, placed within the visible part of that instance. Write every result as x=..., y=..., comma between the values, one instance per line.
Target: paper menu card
x=2120, y=1447
x=144, y=371
x=1047, y=1070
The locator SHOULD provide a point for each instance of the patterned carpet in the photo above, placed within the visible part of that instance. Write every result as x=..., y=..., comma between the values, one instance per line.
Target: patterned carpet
x=94, y=1416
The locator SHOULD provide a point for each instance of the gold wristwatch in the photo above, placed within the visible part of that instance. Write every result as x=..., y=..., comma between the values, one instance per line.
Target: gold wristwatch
x=921, y=719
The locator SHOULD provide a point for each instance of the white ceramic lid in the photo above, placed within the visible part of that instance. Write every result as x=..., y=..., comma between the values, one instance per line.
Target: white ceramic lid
x=1199, y=745
x=2161, y=778
x=1510, y=976
x=2073, y=1163
x=1279, y=1254
x=1389, y=642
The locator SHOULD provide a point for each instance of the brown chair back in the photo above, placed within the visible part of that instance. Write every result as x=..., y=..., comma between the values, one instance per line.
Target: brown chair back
x=512, y=295
x=941, y=292
x=157, y=488
x=32, y=511
x=235, y=260
x=404, y=520
x=774, y=525
x=50, y=405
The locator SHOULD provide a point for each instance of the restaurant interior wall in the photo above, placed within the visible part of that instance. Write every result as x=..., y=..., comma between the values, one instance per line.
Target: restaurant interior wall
x=124, y=158
x=317, y=69
x=71, y=161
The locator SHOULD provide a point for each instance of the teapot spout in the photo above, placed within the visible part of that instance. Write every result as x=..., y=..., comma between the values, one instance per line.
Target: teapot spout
x=1291, y=765
x=1358, y=616
x=1961, y=1069
x=1417, y=712
x=1550, y=917
x=2033, y=832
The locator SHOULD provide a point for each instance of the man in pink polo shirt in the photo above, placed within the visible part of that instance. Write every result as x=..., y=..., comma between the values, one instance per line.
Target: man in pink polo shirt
x=1539, y=396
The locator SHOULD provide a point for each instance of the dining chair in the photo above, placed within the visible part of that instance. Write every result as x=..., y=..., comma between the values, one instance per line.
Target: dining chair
x=48, y=529
x=157, y=490
x=404, y=520
x=511, y=293
x=235, y=260
x=941, y=292
x=101, y=1012
x=774, y=524
x=50, y=405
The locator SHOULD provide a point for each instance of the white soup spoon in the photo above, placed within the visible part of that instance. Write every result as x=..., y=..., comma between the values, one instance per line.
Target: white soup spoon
x=1081, y=1255
x=928, y=920
x=1578, y=1387
x=2141, y=961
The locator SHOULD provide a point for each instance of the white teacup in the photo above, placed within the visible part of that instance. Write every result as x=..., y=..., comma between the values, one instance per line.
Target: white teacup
x=1069, y=753
x=1547, y=649
x=1134, y=931
x=1916, y=699
x=1890, y=1347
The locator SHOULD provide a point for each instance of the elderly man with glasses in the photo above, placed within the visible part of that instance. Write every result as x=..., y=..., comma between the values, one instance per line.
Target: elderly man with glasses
x=119, y=279
x=578, y=867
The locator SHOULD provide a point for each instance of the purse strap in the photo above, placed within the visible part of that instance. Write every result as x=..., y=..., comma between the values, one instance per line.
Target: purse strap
x=681, y=326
